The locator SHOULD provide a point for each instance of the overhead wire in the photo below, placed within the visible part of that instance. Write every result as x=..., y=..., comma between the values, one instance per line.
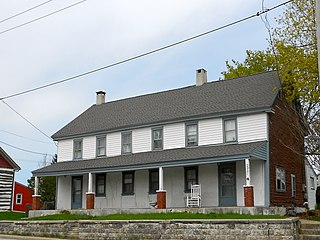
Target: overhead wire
x=146, y=53
x=25, y=11
x=24, y=137
x=39, y=18
x=24, y=118
x=25, y=150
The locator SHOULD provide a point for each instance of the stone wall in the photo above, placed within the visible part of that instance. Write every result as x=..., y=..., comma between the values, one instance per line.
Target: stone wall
x=154, y=229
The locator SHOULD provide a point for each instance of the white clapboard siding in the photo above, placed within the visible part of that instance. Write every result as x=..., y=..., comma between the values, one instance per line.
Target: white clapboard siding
x=174, y=135
x=6, y=179
x=65, y=150
x=113, y=144
x=252, y=127
x=141, y=140
x=210, y=131
x=89, y=147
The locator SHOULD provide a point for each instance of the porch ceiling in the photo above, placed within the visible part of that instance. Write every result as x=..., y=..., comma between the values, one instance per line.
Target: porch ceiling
x=166, y=158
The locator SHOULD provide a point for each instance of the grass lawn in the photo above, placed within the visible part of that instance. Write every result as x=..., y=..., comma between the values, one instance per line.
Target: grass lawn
x=12, y=215
x=155, y=216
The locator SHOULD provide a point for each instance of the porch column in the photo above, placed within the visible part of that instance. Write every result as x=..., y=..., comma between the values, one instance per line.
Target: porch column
x=161, y=193
x=36, y=197
x=248, y=188
x=90, y=193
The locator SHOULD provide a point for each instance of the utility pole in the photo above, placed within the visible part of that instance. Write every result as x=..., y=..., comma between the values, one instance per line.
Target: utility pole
x=318, y=31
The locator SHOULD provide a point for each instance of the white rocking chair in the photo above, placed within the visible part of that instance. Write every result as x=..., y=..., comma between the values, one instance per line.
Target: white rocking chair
x=194, y=199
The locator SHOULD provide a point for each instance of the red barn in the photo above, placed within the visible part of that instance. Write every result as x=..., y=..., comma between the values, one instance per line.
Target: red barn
x=8, y=167
x=22, y=197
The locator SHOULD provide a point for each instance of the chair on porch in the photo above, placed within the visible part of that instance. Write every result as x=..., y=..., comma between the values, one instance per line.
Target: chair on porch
x=194, y=199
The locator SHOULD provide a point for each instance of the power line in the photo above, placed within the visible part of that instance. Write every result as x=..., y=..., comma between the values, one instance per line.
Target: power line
x=25, y=150
x=27, y=10
x=26, y=119
x=39, y=18
x=31, y=139
x=146, y=53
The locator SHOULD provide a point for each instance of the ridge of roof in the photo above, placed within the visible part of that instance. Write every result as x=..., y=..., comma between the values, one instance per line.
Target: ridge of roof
x=253, y=92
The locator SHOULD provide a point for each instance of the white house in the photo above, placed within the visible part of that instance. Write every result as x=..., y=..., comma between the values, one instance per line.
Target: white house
x=224, y=135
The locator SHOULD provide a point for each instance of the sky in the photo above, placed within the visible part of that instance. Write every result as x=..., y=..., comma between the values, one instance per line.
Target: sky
x=97, y=33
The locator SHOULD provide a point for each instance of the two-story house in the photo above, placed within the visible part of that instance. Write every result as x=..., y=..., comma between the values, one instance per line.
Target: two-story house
x=237, y=138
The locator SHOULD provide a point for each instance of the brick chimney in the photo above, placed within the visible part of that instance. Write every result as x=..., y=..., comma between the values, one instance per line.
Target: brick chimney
x=101, y=97
x=201, y=75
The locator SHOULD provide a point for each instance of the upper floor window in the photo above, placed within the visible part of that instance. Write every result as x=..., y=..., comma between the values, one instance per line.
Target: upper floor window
x=280, y=179
x=312, y=183
x=157, y=139
x=191, y=134
x=19, y=198
x=128, y=183
x=293, y=186
x=77, y=149
x=126, y=142
x=230, y=130
x=100, y=185
x=101, y=146
x=190, y=177
x=153, y=180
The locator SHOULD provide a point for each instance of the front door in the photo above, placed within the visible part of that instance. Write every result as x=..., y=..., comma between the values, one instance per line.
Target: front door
x=227, y=184
x=76, y=197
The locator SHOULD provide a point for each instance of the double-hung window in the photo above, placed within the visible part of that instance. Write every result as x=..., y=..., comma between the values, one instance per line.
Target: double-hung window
x=191, y=134
x=190, y=177
x=128, y=183
x=153, y=181
x=101, y=185
x=19, y=198
x=293, y=186
x=77, y=149
x=312, y=185
x=157, y=139
x=280, y=179
x=230, y=130
x=101, y=146
x=126, y=142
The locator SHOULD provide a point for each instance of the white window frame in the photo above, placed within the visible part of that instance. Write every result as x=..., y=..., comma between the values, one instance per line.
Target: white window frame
x=126, y=144
x=19, y=198
x=100, y=147
x=157, y=138
x=190, y=135
x=281, y=176
x=311, y=182
x=77, y=150
x=227, y=131
x=293, y=186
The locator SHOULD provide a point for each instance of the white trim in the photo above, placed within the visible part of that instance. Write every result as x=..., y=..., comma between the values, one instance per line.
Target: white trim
x=7, y=169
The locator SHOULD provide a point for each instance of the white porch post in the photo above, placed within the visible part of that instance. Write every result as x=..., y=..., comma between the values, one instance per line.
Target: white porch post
x=36, y=186
x=161, y=193
x=90, y=194
x=248, y=188
x=36, y=197
x=248, y=173
x=90, y=182
x=160, y=178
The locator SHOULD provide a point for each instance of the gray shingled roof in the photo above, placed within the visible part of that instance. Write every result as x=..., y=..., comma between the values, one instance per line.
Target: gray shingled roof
x=255, y=92
x=145, y=160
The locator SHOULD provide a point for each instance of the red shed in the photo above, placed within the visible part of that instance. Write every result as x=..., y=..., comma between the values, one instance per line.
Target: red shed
x=22, y=197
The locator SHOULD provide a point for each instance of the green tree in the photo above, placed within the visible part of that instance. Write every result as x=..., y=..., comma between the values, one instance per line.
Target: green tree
x=292, y=52
x=47, y=185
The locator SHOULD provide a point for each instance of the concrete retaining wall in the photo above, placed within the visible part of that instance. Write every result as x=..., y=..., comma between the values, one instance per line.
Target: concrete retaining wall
x=153, y=229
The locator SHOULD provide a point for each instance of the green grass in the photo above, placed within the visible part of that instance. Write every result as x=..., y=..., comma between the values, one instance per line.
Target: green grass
x=12, y=215
x=155, y=216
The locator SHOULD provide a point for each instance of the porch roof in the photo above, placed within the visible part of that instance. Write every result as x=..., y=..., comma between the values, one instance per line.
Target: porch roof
x=165, y=158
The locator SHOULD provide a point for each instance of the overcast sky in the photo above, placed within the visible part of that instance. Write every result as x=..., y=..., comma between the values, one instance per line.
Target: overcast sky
x=97, y=33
